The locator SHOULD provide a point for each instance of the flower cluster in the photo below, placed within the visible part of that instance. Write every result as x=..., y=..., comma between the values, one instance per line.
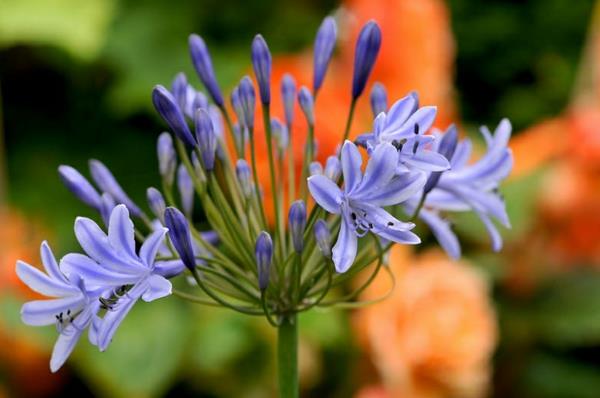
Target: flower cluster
x=243, y=260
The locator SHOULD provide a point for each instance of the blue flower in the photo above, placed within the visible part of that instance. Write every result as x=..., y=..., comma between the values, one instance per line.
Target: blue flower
x=288, y=94
x=108, y=183
x=378, y=99
x=166, y=105
x=323, y=49
x=361, y=201
x=404, y=127
x=187, y=97
x=167, y=159
x=80, y=186
x=186, y=190
x=263, y=253
x=261, y=61
x=471, y=187
x=367, y=48
x=113, y=263
x=203, y=65
x=71, y=307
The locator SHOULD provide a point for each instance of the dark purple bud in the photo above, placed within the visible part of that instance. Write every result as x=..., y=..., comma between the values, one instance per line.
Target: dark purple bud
x=261, y=61
x=263, y=252
x=446, y=148
x=186, y=190
x=333, y=169
x=107, y=183
x=315, y=168
x=203, y=65
x=248, y=101
x=378, y=99
x=179, y=233
x=367, y=48
x=79, y=186
x=288, y=93
x=297, y=224
x=305, y=99
x=167, y=107
x=107, y=204
x=244, y=176
x=156, y=202
x=167, y=160
x=323, y=237
x=324, y=44
x=179, y=89
x=206, y=137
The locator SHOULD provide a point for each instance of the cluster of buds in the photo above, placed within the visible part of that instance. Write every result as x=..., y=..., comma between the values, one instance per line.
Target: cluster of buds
x=243, y=260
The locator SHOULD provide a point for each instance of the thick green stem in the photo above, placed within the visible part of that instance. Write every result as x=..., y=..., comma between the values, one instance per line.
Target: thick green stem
x=287, y=357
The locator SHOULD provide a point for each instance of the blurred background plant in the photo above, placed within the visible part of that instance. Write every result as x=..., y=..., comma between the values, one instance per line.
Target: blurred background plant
x=75, y=83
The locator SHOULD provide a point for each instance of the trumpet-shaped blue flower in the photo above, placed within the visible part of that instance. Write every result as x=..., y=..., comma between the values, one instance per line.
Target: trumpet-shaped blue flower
x=112, y=262
x=71, y=307
x=471, y=187
x=363, y=197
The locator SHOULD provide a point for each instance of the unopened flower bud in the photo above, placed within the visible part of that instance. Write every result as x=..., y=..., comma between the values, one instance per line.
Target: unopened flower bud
x=179, y=232
x=186, y=190
x=107, y=183
x=305, y=99
x=263, y=253
x=297, y=223
x=378, y=99
x=166, y=157
x=280, y=133
x=244, y=176
x=261, y=61
x=167, y=107
x=288, y=93
x=203, y=65
x=323, y=237
x=156, y=202
x=367, y=48
x=315, y=168
x=79, y=186
x=247, y=100
x=323, y=49
x=446, y=148
x=206, y=137
x=179, y=88
x=333, y=169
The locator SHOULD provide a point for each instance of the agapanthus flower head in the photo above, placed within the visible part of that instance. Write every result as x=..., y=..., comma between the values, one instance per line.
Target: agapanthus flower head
x=288, y=94
x=206, y=137
x=108, y=183
x=306, y=101
x=167, y=159
x=169, y=110
x=79, y=186
x=378, y=99
x=365, y=54
x=263, y=253
x=203, y=65
x=297, y=224
x=323, y=50
x=261, y=61
x=247, y=100
x=180, y=235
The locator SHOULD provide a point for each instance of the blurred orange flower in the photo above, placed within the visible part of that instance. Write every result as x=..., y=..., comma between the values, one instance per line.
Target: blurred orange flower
x=435, y=335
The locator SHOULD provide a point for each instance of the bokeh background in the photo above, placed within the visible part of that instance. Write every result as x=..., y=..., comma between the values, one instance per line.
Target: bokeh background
x=75, y=83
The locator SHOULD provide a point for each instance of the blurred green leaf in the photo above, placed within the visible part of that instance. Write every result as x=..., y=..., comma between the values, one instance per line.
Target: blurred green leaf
x=77, y=26
x=145, y=354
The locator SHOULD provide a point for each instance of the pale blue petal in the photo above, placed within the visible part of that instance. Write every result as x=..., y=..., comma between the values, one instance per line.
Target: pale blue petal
x=399, y=112
x=92, y=273
x=50, y=263
x=400, y=189
x=158, y=287
x=326, y=193
x=64, y=347
x=381, y=219
x=41, y=283
x=169, y=269
x=442, y=232
x=344, y=251
x=424, y=117
x=151, y=246
x=113, y=319
x=381, y=168
x=351, y=164
x=121, y=232
x=461, y=154
x=399, y=236
x=43, y=312
x=426, y=160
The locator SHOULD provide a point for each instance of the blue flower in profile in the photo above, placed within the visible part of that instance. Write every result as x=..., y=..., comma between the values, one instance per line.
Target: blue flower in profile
x=471, y=187
x=363, y=198
x=203, y=65
x=404, y=127
x=112, y=262
x=71, y=307
x=365, y=54
x=323, y=49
